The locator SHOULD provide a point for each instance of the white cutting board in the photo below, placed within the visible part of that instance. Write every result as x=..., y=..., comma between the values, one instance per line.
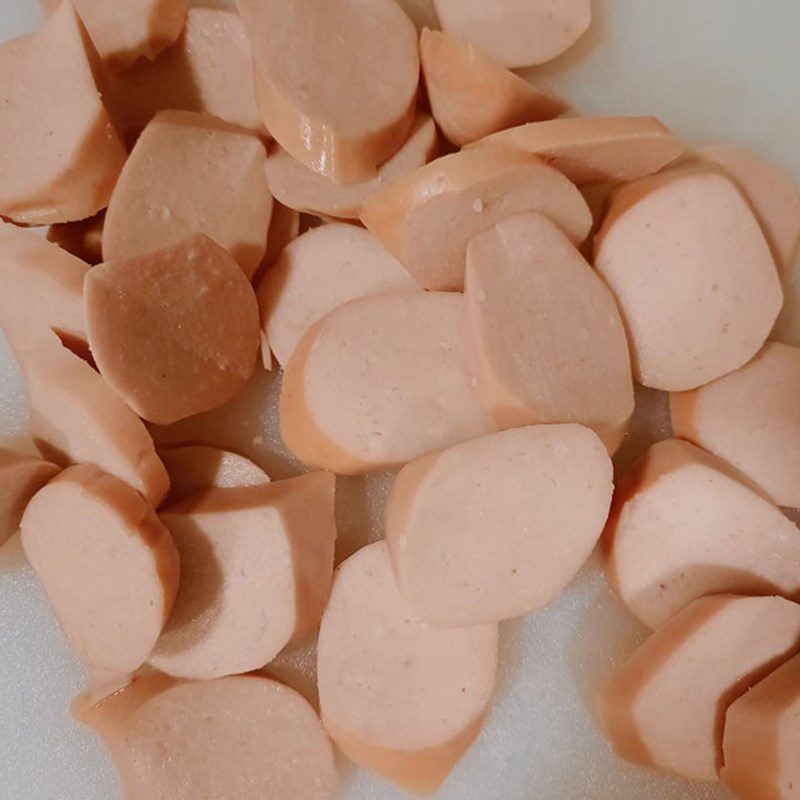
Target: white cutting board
x=712, y=69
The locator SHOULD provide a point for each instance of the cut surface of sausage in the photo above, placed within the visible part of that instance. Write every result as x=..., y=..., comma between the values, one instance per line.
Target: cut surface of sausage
x=84, y=238
x=21, y=476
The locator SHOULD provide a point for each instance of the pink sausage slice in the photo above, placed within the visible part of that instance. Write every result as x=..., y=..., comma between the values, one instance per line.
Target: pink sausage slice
x=751, y=419
x=665, y=707
x=465, y=194
x=693, y=275
x=497, y=527
x=108, y=565
x=284, y=228
x=380, y=381
x=174, y=333
x=545, y=339
x=191, y=173
x=84, y=238
x=682, y=527
x=398, y=696
x=21, y=477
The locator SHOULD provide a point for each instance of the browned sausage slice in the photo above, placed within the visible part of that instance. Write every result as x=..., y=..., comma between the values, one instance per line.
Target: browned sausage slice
x=21, y=477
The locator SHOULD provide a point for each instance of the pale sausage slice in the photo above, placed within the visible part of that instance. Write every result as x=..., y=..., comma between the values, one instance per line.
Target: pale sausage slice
x=191, y=173
x=175, y=333
x=693, y=275
x=380, y=381
x=545, y=339
x=336, y=81
x=591, y=149
x=517, y=33
x=465, y=194
x=751, y=419
x=682, y=526
x=398, y=696
x=284, y=228
x=497, y=527
x=108, y=565
x=84, y=238
x=323, y=269
x=21, y=477
x=59, y=153
x=300, y=187
x=665, y=707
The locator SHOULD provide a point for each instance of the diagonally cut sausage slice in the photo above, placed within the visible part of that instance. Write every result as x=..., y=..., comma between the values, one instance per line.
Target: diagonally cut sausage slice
x=21, y=477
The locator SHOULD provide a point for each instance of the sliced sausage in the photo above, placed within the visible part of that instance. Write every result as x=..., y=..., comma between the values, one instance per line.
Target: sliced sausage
x=693, y=275
x=545, y=339
x=175, y=333
x=398, y=696
x=380, y=381
x=465, y=194
x=284, y=228
x=21, y=477
x=84, y=238
x=681, y=527
x=108, y=566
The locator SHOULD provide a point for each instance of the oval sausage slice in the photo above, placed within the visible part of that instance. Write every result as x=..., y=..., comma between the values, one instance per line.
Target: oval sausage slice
x=399, y=697
x=545, y=339
x=175, y=333
x=380, y=381
x=465, y=194
x=693, y=275
x=323, y=269
x=665, y=707
x=497, y=527
x=84, y=238
x=682, y=526
x=108, y=566
x=21, y=477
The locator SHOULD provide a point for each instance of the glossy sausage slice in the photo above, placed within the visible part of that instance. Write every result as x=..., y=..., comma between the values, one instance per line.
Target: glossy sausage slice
x=665, y=707
x=545, y=339
x=399, y=697
x=84, y=238
x=323, y=269
x=21, y=477
x=108, y=565
x=465, y=194
x=380, y=381
x=336, y=80
x=175, y=333
x=693, y=275
x=191, y=173
x=682, y=526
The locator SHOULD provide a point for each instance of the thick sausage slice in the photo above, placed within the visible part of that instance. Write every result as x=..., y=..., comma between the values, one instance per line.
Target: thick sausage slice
x=399, y=697
x=323, y=269
x=665, y=707
x=108, y=565
x=175, y=333
x=465, y=194
x=497, y=527
x=545, y=339
x=693, y=275
x=83, y=238
x=682, y=527
x=336, y=80
x=380, y=381
x=284, y=228
x=191, y=173
x=21, y=477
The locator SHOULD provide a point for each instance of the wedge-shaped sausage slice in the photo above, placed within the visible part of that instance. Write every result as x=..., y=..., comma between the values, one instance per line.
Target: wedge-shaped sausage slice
x=380, y=381
x=175, y=332
x=323, y=269
x=497, y=527
x=682, y=527
x=336, y=80
x=465, y=194
x=191, y=173
x=84, y=238
x=399, y=697
x=693, y=275
x=545, y=339
x=108, y=565
x=21, y=477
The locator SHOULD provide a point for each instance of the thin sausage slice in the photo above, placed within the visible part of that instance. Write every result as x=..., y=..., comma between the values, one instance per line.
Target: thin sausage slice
x=21, y=477
x=191, y=173
x=545, y=339
x=665, y=707
x=108, y=565
x=682, y=527
x=284, y=228
x=336, y=81
x=693, y=275
x=497, y=527
x=399, y=697
x=321, y=270
x=465, y=194
x=84, y=238
x=380, y=381
x=175, y=333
